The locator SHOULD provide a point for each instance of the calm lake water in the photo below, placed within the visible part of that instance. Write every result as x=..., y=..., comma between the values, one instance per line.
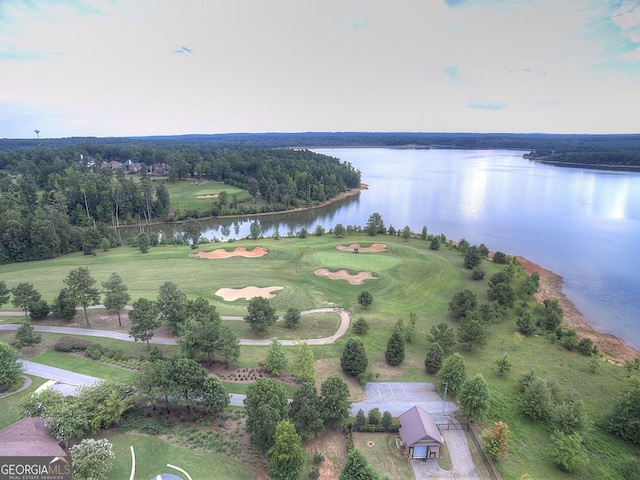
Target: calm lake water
x=582, y=224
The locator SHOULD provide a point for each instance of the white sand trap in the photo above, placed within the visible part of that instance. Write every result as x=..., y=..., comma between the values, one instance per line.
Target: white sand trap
x=238, y=252
x=342, y=274
x=375, y=248
x=215, y=195
x=231, y=294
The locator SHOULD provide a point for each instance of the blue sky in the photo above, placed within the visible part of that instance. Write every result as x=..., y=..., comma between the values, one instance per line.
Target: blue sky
x=119, y=68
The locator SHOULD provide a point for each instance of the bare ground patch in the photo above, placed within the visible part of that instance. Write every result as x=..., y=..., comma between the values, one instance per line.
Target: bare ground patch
x=374, y=248
x=237, y=252
x=333, y=445
x=342, y=274
x=231, y=294
x=214, y=195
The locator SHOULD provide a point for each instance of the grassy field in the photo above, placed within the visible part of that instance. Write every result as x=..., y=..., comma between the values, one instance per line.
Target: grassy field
x=184, y=194
x=10, y=404
x=410, y=278
x=382, y=454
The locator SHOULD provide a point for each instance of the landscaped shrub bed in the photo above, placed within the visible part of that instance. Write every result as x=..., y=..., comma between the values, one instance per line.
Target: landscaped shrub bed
x=71, y=344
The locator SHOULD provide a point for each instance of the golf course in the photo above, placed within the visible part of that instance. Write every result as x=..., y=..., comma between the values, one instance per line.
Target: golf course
x=405, y=277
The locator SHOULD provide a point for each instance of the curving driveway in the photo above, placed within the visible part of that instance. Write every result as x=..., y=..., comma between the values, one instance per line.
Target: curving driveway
x=342, y=329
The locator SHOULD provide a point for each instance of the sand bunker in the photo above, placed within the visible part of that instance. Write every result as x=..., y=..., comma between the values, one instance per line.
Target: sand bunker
x=231, y=294
x=238, y=252
x=215, y=195
x=375, y=248
x=357, y=279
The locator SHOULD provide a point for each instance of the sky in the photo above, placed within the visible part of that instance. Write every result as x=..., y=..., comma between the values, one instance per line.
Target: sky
x=166, y=67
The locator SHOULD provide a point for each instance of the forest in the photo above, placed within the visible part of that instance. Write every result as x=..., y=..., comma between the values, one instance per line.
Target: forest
x=62, y=196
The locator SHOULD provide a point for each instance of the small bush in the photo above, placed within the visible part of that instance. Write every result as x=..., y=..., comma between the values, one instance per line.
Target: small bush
x=72, y=344
x=360, y=326
x=318, y=458
x=94, y=352
x=314, y=474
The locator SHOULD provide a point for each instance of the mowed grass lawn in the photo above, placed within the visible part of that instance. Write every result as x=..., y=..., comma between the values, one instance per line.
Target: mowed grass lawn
x=409, y=278
x=153, y=455
x=184, y=194
x=382, y=454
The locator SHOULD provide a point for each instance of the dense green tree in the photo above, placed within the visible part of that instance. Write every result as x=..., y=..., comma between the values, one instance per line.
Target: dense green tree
x=339, y=230
x=292, y=318
x=214, y=396
x=189, y=379
x=286, y=456
x=354, y=358
x=453, y=372
x=143, y=242
x=531, y=284
x=104, y=403
x=552, y=315
x=435, y=243
x=365, y=299
x=82, y=289
x=336, y=407
x=623, y=420
x=154, y=379
x=500, y=257
x=443, y=335
x=463, y=303
x=305, y=363
x=423, y=234
x=65, y=421
x=567, y=451
x=144, y=320
x=526, y=323
x=472, y=332
x=490, y=312
x=254, y=230
x=483, y=250
x=192, y=230
x=171, y=304
x=406, y=233
x=39, y=310
x=24, y=295
x=410, y=328
x=474, y=397
x=472, y=257
x=260, y=315
x=305, y=411
x=375, y=225
x=266, y=404
x=199, y=335
x=463, y=245
x=433, y=361
x=360, y=326
x=64, y=307
x=26, y=336
x=374, y=417
x=537, y=400
x=357, y=467
x=10, y=366
x=92, y=459
x=5, y=293
x=276, y=360
x=502, y=293
x=361, y=419
x=116, y=294
x=387, y=420
x=394, y=354
x=503, y=365
x=571, y=416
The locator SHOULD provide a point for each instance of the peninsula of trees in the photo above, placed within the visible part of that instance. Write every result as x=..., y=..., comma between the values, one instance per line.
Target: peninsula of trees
x=64, y=196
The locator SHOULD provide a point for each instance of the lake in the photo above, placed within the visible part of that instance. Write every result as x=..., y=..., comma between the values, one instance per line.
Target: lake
x=582, y=224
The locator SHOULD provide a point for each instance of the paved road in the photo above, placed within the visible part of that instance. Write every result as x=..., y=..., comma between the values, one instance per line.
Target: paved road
x=342, y=329
x=66, y=382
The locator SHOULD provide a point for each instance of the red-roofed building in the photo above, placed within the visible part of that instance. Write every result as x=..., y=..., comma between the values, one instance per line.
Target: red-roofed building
x=419, y=434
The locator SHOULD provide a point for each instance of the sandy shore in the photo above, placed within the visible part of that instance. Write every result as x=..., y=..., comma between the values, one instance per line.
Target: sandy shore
x=614, y=348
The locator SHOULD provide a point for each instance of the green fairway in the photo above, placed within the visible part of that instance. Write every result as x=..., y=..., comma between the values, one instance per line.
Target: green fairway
x=410, y=277
x=184, y=194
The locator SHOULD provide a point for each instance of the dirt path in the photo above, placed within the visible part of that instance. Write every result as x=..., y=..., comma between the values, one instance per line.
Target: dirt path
x=614, y=348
